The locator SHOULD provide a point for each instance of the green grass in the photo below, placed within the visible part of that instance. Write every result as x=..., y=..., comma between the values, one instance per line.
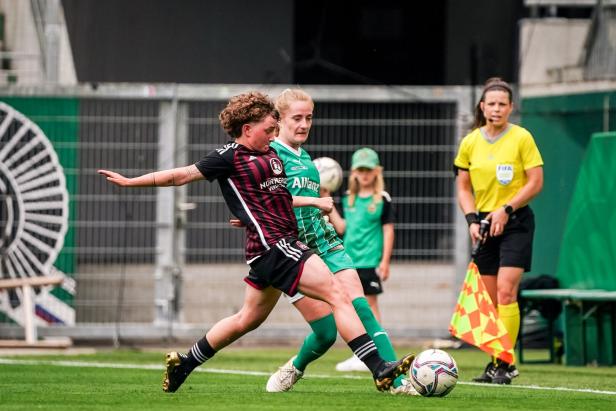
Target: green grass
x=58, y=387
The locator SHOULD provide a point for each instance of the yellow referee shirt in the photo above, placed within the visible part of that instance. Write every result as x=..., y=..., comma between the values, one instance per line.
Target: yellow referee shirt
x=497, y=168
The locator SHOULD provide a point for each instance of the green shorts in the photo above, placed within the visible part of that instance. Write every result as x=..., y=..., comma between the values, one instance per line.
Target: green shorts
x=336, y=259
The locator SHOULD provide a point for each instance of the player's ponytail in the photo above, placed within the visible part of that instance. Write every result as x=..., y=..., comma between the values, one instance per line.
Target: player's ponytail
x=353, y=189
x=378, y=187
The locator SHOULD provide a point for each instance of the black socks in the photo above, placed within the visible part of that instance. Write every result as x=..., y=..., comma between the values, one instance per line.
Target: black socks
x=199, y=353
x=363, y=347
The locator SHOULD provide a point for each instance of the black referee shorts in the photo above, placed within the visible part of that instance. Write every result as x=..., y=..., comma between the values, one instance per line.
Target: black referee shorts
x=280, y=267
x=513, y=248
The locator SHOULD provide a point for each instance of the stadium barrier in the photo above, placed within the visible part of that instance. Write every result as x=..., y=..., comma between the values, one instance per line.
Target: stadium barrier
x=137, y=262
x=29, y=309
x=588, y=322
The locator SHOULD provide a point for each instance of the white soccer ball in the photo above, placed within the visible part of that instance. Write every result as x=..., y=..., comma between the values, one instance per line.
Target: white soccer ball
x=330, y=172
x=434, y=373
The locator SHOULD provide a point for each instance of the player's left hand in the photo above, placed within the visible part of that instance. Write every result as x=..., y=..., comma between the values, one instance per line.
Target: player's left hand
x=236, y=223
x=383, y=271
x=115, y=178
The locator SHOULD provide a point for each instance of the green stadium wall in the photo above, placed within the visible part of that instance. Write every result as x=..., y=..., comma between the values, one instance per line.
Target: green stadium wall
x=59, y=120
x=562, y=127
x=588, y=250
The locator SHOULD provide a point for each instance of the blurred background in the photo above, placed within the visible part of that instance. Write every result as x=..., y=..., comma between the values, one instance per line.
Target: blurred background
x=137, y=85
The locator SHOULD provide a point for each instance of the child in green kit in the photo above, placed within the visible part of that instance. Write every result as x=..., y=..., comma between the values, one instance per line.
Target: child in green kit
x=368, y=229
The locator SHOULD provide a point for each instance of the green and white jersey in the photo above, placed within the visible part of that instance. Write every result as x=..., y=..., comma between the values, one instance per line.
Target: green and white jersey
x=303, y=180
x=363, y=238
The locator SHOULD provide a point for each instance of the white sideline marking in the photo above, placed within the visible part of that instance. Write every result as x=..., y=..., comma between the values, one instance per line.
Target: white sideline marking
x=158, y=367
x=537, y=387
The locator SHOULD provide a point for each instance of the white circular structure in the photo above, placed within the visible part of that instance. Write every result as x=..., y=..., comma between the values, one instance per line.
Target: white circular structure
x=33, y=198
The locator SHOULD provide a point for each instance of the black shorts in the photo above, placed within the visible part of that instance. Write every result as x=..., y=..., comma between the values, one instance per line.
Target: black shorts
x=513, y=248
x=280, y=267
x=370, y=281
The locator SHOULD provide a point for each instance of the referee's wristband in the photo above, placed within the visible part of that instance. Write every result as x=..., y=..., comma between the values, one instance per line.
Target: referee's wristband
x=472, y=218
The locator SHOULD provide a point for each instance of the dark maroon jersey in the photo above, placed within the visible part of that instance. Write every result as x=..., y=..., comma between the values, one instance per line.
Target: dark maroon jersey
x=253, y=185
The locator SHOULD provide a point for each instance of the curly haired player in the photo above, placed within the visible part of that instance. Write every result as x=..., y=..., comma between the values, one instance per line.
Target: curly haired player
x=253, y=183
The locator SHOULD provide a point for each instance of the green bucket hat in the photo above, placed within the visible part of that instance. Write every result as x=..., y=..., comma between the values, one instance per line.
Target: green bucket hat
x=365, y=158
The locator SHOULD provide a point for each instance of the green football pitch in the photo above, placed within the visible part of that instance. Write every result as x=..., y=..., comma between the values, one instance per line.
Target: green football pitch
x=235, y=380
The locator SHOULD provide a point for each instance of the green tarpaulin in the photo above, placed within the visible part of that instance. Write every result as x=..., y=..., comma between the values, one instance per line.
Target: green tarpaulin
x=588, y=250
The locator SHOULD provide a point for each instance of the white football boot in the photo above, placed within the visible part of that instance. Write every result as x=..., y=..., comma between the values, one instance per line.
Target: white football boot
x=284, y=379
x=405, y=389
x=352, y=364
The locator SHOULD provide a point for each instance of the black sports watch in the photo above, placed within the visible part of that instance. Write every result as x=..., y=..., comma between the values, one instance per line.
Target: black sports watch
x=508, y=209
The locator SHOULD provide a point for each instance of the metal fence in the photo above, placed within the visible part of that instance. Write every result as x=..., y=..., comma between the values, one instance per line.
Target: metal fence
x=128, y=249
x=600, y=49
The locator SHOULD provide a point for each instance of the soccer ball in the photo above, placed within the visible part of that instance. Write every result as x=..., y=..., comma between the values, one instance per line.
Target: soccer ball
x=434, y=373
x=330, y=173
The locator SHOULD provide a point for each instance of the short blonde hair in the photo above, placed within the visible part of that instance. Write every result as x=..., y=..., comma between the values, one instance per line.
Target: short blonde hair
x=288, y=96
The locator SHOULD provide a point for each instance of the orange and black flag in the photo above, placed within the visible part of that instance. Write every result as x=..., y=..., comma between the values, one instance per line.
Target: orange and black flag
x=476, y=321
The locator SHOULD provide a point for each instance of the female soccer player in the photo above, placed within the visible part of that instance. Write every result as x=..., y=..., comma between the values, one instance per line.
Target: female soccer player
x=252, y=180
x=499, y=171
x=296, y=110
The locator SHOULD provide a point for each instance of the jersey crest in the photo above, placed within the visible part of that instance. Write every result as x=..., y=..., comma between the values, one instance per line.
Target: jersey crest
x=276, y=165
x=504, y=173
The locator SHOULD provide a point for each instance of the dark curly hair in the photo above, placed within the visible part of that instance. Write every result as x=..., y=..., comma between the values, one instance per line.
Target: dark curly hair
x=494, y=83
x=246, y=108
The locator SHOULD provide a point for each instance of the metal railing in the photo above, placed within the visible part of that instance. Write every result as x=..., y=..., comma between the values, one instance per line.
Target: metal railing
x=129, y=250
x=600, y=49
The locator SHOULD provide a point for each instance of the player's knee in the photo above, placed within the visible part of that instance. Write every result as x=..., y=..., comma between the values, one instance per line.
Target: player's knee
x=506, y=296
x=337, y=300
x=338, y=296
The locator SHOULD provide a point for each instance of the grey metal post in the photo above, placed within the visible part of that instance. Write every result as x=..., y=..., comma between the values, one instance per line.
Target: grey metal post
x=167, y=269
x=462, y=241
x=181, y=206
x=52, y=40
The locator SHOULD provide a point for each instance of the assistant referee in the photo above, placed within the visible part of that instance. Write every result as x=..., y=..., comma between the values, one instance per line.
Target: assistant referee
x=499, y=171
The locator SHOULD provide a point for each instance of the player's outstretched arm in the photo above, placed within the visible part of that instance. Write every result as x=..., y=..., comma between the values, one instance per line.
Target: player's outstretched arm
x=172, y=177
x=325, y=204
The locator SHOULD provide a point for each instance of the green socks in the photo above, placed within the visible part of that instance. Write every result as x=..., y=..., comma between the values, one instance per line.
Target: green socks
x=376, y=332
x=324, y=333
x=323, y=336
x=374, y=329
